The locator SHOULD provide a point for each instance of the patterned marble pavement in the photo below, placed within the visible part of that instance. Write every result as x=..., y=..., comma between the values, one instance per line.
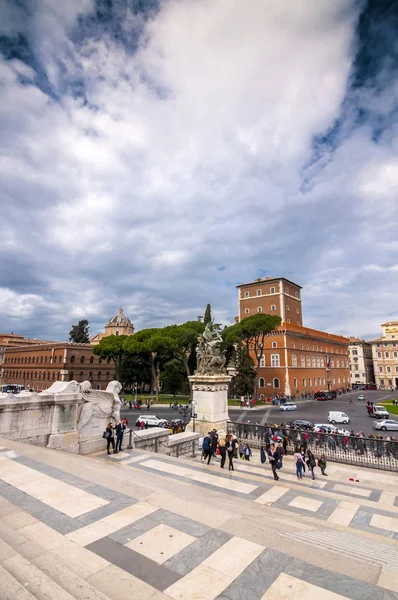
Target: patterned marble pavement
x=63, y=536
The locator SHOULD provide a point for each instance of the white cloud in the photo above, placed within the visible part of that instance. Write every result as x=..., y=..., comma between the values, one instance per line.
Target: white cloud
x=148, y=170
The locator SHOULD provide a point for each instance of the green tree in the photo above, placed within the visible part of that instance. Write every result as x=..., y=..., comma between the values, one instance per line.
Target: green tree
x=172, y=377
x=185, y=339
x=252, y=333
x=79, y=334
x=112, y=346
x=243, y=381
x=150, y=342
x=207, y=317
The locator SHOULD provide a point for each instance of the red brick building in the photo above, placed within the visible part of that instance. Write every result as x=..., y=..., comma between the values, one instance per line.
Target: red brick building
x=38, y=366
x=295, y=359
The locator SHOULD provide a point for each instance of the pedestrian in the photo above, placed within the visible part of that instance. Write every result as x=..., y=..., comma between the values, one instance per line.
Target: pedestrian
x=273, y=459
x=109, y=438
x=322, y=465
x=119, y=437
x=311, y=463
x=241, y=449
x=206, y=445
x=223, y=451
x=298, y=459
x=230, y=446
x=214, y=441
x=142, y=425
x=263, y=456
x=248, y=452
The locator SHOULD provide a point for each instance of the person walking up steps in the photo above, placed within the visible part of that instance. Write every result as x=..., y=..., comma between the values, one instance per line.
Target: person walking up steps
x=206, y=445
x=223, y=451
x=230, y=446
x=273, y=458
x=311, y=463
x=298, y=459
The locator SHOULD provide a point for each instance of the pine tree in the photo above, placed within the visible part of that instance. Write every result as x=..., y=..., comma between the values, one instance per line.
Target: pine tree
x=207, y=317
x=79, y=334
x=243, y=382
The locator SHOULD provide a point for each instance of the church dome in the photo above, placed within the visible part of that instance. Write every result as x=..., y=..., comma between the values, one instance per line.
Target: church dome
x=119, y=320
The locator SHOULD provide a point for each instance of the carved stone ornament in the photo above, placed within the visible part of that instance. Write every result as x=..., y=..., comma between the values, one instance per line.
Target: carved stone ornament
x=210, y=357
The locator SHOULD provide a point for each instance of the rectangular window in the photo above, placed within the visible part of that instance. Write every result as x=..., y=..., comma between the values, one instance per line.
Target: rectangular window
x=388, y=369
x=309, y=381
x=313, y=364
x=273, y=307
x=275, y=360
x=318, y=362
x=337, y=363
x=380, y=369
x=395, y=354
x=296, y=294
x=293, y=345
x=387, y=354
x=272, y=290
x=259, y=309
x=262, y=361
x=258, y=292
x=274, y=344
x=332, y=361
x=302, y=360
x=304, y=382
x=246, y=294
x=308, y=359
x=294, y=360
x=379, y=355
x=322, y=362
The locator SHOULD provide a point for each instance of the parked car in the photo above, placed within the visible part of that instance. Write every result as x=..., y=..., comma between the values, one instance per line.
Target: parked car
x=322, y=427
x=321, y=397
x=152, y=420
x=288, y=406
x=300, y=424
x=379, y=412
x=386, y=424
x=338, y=417
x=361, y=397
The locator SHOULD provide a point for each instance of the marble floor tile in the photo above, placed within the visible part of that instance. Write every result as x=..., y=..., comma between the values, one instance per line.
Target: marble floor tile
x=129, y=515
x=42, y=535
x=309, y=504
x=135, y=459
x=193, y=555
x=272, y=495
x=383, y=522
x=18, y=519
x=65, y=498
x=90, y=533
x=79, y=560
x=286, y=587
x=347, y=489
x=161, y=543
x=387, y=498
x=388, y=579
x=202, y=583
x=344, y=513
x=233, y=557
x=118, y=584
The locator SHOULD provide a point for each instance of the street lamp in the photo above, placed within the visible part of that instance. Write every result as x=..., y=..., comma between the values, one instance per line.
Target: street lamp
x=184, y=411
x=135, y=391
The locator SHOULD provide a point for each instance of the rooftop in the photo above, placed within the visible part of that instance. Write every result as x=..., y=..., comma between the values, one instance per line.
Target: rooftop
x=269, y=280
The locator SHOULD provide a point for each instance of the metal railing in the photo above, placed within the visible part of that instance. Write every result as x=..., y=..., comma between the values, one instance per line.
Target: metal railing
x=373, y=452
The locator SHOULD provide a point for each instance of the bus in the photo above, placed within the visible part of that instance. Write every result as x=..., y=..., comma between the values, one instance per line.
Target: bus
x=12, y=388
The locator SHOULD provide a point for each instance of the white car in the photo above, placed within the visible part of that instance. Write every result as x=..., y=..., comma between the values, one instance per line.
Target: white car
x=321, y=426
x=336, y=416
x=386, y=424
x=288, y=406
x=152, y=420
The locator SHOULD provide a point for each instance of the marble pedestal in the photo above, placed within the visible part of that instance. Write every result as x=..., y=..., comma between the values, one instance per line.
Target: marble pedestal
x=210, y=393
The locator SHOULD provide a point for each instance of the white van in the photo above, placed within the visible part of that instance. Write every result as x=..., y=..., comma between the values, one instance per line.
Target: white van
x=338, y=417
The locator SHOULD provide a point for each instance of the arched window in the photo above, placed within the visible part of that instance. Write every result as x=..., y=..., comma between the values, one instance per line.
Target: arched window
x=58, y=375
x=81, y=375
x=258, y=292
x=100, y=361
x=107, y=376
x=295, y=383
x=294, y=360
x=91, y=359
x=302, y=360
x=72, y=359
x=40, y=375
x=260, y=309
x=108, y=360
x=53, y=375
x=304, y=382
x=261, y=382
x=99, y=376
x=276, y=383
x=48, y=376
x=70, y=375
x=45, y=359
x=309, y=381
x=60, y=359
x=81, y=360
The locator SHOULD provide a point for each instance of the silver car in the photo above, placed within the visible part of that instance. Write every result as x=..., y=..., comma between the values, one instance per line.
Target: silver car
x=386, y=424
x=288, y=406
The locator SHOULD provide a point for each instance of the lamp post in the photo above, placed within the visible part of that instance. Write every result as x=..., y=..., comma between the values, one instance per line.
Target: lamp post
x=184, y=412
x=135, y=392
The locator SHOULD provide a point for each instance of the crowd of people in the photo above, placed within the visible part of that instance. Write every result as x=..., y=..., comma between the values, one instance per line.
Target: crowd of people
x=228, y=446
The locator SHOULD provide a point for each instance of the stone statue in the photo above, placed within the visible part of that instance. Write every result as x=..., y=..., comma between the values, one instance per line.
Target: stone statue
x=209, y=355
x=114, y=387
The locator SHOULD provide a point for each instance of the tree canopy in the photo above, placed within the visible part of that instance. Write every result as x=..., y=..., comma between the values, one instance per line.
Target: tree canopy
x=79, y=334
x=207, y=316
x=112, y=346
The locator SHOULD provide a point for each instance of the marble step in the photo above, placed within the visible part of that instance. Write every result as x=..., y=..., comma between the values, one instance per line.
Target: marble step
x=46, y=578
x=11, y=588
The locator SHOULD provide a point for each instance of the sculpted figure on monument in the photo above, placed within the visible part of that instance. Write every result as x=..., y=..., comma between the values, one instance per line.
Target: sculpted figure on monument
x=209, y=355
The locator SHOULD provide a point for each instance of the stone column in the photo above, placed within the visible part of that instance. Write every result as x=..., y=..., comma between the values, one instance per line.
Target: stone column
x=210, y=393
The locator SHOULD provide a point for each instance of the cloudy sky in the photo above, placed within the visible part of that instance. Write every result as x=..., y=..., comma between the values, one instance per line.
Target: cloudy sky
x=154, y=154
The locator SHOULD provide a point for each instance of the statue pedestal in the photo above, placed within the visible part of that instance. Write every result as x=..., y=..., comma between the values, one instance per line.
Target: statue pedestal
x=210, y=393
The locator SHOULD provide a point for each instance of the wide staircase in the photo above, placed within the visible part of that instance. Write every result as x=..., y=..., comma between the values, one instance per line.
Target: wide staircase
x=138, y=525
